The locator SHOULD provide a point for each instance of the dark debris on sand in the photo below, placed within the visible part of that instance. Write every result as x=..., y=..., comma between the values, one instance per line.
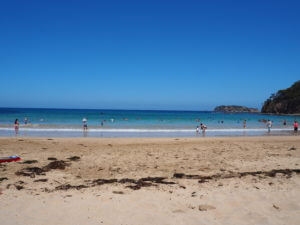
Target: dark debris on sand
x=59, y=164
x=52, y=158
x=104, y=181
x=271, y=173
x=69, y=186
x=19, y=187
x=136, y=184
x=3, y=178
x=29, y=161
x=30, y=172
x=33, y=171
x=157, y=180
x=41, y=180
x=149, y=181
x=74, y=158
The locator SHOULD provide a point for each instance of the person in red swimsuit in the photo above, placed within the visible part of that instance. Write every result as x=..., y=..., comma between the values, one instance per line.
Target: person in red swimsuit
x=296, y=125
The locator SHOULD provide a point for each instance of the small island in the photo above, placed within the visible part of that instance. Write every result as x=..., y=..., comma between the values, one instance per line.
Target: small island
x=235, y=109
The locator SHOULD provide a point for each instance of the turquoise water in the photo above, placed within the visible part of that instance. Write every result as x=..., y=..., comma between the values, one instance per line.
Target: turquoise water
x=68, y=122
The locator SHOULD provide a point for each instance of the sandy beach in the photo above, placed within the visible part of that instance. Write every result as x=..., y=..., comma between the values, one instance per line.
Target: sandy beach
x=232, y=180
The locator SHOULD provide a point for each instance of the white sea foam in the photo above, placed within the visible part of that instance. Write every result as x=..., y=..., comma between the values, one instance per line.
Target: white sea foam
x=136, y=130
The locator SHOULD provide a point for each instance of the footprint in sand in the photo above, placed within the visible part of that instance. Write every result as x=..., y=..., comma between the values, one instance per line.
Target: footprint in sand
x=178, y=211
x=206, y=207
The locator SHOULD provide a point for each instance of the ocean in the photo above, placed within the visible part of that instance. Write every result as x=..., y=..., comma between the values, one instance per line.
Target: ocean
x=137, y=123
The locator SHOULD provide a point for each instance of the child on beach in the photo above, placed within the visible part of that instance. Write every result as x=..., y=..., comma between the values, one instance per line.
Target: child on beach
x=197, y=129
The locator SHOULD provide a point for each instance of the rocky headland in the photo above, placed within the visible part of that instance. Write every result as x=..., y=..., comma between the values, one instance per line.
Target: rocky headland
x=285, y=101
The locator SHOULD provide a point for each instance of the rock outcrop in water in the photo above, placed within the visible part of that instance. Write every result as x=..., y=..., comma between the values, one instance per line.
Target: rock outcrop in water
x=285, y=101
x=234, y=109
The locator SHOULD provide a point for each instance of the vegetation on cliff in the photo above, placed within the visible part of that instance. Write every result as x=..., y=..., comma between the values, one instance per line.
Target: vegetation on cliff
x=285, y=101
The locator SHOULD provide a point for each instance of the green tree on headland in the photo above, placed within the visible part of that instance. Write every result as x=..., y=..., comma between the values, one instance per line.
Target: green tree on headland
x=285, y=101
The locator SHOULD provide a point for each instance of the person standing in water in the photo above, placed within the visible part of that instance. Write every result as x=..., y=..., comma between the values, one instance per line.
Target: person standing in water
x=245, y=123
x=269, y=125
x=203, y=128
x=296, y=125
x=16, y=125
x=84, y=121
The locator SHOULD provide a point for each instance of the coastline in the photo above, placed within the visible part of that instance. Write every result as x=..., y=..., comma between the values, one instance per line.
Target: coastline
x=109, y=183
x=142, y=132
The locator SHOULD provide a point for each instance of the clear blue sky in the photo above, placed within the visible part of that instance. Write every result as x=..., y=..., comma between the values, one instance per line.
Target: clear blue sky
x=190, y=55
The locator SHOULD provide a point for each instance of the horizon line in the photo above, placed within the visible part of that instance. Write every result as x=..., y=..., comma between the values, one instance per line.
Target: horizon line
x=106, y=109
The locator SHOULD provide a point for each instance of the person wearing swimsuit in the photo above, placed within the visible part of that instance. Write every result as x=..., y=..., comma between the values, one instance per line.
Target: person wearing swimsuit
x=296, y=125
x=16, y=126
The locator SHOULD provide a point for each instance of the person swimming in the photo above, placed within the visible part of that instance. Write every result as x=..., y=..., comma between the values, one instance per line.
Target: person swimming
x=284, y=123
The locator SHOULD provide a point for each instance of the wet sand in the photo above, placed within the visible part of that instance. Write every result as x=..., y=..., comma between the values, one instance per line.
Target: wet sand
x=236, y=180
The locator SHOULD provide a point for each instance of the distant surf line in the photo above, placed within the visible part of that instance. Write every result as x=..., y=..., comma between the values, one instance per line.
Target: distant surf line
x=134, y=130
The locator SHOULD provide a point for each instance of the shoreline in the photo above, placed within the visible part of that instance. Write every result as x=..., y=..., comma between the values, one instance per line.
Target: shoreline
x=143, y=132
x=284, y=137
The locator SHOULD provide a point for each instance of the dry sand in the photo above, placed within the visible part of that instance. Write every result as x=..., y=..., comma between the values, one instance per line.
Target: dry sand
x=241, y=180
